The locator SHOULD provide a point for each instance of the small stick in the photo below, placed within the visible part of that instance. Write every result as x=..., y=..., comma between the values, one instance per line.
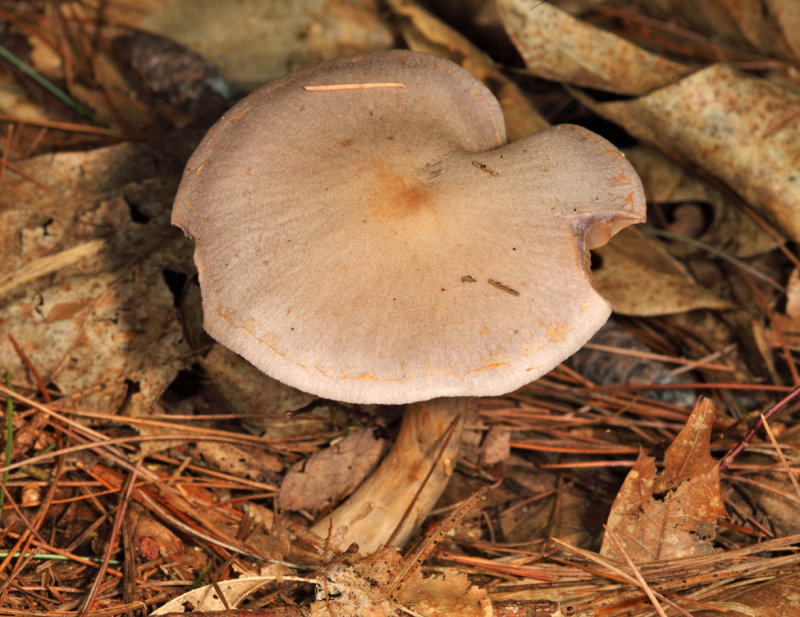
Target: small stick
x=730, y=456
x=502, y=287
x=111, y=544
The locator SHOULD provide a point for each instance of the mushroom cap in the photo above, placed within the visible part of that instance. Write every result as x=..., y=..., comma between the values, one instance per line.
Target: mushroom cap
x=382, y=244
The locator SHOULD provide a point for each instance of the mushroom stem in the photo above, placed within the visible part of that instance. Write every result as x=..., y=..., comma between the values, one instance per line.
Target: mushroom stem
x=370, y=517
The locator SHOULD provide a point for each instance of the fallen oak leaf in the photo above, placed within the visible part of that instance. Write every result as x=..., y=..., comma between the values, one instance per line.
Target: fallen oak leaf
x=671, y=514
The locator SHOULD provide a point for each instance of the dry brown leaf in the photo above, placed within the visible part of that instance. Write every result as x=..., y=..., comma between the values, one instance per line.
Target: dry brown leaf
x=253, y=42
x=360, y=589
x=229, y=458
x=575, y=521
x=249, y=391
x=445, y=594
x=730, y=230
x=639, y=277
x=45, y=57
x=671, y=514
x=331, y=473
x=15, y=102
x=116, y=103
x=752, y=20
x=482, y=445
x=85, y=252
x=793, y=296
x=150, y=537
x=206, y=599
x=787, y=14
x=424, y=32
x=776, y=497
x=496, y=446
x=786, y=326
x=559, y=47
x=743, y=129
x=261, y=515
x=743, y=23
x=775, y=598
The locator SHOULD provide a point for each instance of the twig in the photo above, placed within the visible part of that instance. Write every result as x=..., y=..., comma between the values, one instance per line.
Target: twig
x=730, y=456
x=111, y=544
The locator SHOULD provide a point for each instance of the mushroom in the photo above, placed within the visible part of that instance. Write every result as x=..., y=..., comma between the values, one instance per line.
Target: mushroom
x=364, y=233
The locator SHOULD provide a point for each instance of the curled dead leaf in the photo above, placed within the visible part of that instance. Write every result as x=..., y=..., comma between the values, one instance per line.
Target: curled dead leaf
x=729, y=229
x=639, y=277
x=743, y=129
x=674, y=513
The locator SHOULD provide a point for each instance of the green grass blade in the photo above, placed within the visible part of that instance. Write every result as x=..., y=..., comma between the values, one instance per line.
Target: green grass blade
x=47, y=85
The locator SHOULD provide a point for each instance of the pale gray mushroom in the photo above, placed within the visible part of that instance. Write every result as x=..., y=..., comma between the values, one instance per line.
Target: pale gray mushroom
x=363, y=233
